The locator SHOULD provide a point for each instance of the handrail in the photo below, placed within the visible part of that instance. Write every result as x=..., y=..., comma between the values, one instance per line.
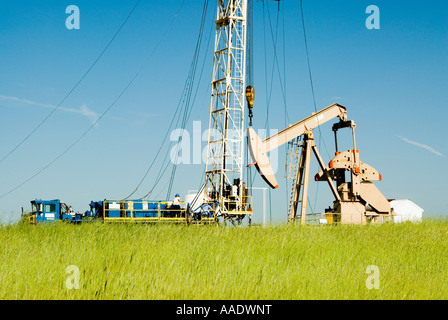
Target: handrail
x=245, y=207
x=163, y=211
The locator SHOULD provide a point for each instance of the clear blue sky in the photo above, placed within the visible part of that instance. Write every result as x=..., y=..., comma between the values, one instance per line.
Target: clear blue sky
x=393, y=82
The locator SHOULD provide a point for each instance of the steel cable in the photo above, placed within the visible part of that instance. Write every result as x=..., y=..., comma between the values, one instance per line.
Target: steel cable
x=74, y=87
x=105, y=112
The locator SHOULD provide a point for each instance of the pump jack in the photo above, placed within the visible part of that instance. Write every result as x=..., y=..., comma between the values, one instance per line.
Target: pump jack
x=356, y=202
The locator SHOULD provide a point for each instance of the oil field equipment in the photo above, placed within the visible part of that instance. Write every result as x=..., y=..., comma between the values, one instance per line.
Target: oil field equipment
x=225, y=191
x=135, y=211
x=140, y=211
x=224, y=195
x=52, y=211
x=356, y=202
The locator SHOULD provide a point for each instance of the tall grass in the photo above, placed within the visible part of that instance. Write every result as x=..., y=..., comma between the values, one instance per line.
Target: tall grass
x=206, y=262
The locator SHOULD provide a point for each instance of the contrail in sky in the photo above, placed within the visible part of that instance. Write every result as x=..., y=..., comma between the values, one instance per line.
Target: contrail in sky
x=422, y=145
x=83, y=110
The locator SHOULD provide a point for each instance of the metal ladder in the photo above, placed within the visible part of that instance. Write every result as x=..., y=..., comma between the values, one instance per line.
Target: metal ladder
x=291, y=168
x=295, y=185
x=238, y=94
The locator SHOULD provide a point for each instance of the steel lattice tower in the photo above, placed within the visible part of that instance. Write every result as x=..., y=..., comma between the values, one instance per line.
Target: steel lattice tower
x=225, y=146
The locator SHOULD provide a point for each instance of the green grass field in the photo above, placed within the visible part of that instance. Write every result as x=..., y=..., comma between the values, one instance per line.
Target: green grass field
x=209, y=262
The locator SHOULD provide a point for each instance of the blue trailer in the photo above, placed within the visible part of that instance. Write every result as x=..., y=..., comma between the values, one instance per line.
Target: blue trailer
x=140, y=211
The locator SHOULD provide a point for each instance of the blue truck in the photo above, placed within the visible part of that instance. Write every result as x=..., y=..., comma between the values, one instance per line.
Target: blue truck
x=54, y=210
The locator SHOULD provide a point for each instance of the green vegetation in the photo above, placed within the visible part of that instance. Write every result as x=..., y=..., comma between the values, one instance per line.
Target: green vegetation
x=206, y=262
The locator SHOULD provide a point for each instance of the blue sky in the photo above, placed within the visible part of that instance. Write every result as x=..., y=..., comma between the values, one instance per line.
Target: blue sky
x=393, y=82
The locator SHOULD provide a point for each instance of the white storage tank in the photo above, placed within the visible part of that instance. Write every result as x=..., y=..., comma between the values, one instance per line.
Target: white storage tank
x=406, y=210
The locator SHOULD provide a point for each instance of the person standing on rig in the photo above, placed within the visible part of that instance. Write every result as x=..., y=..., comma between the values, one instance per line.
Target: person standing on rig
x=177, y=200
x=176, y=206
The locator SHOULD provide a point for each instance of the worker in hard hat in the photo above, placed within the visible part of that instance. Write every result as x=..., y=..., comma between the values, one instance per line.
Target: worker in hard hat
x=176, y=205
x=177, y=199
